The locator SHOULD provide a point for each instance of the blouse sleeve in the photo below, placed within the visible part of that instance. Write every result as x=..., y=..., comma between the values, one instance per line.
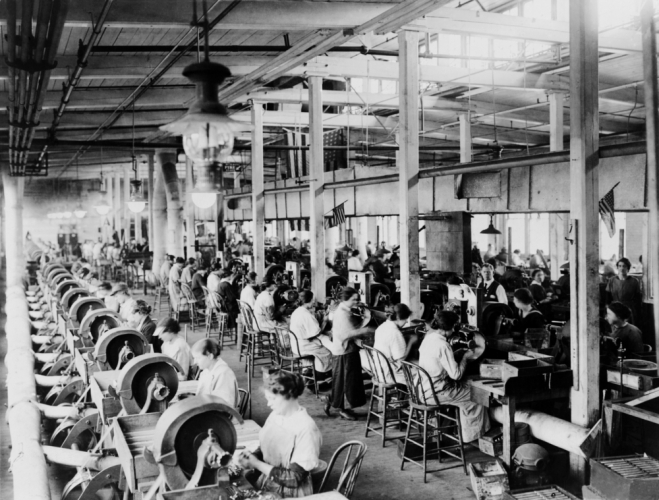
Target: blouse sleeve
x=307, y=449
x=454, y=369
x=501, y=294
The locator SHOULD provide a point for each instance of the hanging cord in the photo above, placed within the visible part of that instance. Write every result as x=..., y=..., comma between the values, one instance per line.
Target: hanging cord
x=629, y=117
x=526, y=120
x=348, y=86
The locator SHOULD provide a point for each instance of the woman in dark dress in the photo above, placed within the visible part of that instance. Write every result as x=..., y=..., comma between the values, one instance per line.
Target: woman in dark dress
x=144, y=324
x=527, y=315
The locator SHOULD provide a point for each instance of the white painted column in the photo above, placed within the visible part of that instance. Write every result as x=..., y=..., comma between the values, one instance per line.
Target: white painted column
x=556, y=100
x=116, y=206
x=465, y=137
x=126, y=214
x=584, y=199
x=14, y=235
x=316, y=187
x=189, y=208
x=151, y=179
x=107, y=232
x=408, y=167
x=258, y=195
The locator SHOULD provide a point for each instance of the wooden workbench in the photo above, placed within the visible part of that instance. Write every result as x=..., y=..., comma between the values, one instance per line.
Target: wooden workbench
x=516, y=391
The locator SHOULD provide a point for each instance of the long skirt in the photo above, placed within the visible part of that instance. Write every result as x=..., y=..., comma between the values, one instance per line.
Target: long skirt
x=322, y=355
x=347, y=383
x=474, y=417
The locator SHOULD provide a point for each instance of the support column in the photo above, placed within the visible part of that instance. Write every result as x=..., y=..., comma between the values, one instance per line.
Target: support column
x=408, y=168
x=465, y=137
x=258, y=194
x=316, y=187
x=527, y=234
x=281, y=232
x=556, y=143
x=651, y=132
x=166, y=160
x=14, y=236
x=150, y=188
x=108, y=228
x=116, y=205
x=372, y=232
x=584, y=199
x=138, y=228
x=189, y=209
x=158, y=242
x=220, y=235
x=126, y=215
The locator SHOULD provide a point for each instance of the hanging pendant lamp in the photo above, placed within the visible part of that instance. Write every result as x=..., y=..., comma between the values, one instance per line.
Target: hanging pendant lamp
x=491, y=229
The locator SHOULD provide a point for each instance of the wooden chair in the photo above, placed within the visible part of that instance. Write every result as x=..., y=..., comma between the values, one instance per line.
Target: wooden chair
x=424, y=406
x=243, y=402
x=290, y=359
x=189, y=304
x=259, y=344
x=354, y=456
x=216, y=317
x=387, y=396
x=161, y=294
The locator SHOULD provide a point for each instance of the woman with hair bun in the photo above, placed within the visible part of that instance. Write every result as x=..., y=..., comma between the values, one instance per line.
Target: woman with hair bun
x=289, y=440
x=216, y=378
x=527, y=315
x=144, y=324
x=390, y=341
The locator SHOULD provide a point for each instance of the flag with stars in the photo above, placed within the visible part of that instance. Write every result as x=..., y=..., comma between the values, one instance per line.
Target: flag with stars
x=607, y=211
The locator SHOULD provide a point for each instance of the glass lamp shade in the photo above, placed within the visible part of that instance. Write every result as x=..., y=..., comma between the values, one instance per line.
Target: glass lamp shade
x=203, y=199
x=491, y=229
x=53, y=215
x=136, y=206
x=103, y=208
x=66, y=214
x=79, y=212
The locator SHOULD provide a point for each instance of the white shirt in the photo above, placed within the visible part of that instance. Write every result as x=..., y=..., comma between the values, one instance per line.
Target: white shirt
x=436, y=357
x=126, y=309
x=213, y=282
x=304, y=325
x=354, y=264
x=263, y=309
x=390, y=341
x=248, y=295
x=501, y=292
x=179, y=350
x=219, y=381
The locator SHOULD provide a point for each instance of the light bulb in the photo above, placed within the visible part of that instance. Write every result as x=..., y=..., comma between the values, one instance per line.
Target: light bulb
x=208, y=143
x=204, y=200
x=136, y=206
x=66, y=215
x=79, y=213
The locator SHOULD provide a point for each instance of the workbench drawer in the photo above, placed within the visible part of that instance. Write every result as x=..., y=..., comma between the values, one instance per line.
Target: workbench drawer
x=524, y=368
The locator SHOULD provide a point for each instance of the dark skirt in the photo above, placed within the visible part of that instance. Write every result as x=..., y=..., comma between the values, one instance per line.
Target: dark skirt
x=347, y=381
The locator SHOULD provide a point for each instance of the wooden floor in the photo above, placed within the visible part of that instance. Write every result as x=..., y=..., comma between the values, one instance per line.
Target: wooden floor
x=380, y=477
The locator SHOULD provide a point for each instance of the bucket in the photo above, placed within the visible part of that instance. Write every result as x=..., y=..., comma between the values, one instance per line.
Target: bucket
x=640, y=366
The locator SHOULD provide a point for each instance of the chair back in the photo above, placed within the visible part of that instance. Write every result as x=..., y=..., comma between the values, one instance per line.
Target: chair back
x=247, y=315
x=187, y=293
x=213, y=301
x=295, y=344
x=206, y=292
x=243, y=402
x=419, y=383
x=354, y=452
x=283, y=340
x=379, y=366
x=152, y=279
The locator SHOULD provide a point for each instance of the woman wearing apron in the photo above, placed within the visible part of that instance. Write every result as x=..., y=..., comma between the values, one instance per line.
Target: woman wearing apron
x=289, y=441
x=217, y=378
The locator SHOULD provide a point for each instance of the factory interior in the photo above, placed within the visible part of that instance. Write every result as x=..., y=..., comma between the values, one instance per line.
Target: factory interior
x=340, y=249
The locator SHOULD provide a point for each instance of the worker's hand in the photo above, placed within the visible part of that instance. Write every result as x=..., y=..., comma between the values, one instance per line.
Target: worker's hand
x=247, y=460
x=469, y=354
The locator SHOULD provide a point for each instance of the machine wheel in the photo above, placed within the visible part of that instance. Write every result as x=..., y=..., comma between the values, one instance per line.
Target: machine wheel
x=86, y=486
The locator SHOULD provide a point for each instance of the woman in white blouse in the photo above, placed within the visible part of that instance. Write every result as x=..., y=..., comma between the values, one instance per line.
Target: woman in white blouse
x=173, y=345
x=306, y=328
x=216, y=378
x=390, y=341
x=289, y=440
x=436, y=357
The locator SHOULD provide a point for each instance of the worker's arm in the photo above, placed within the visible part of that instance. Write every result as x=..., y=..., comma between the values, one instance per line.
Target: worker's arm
x=501, y=294
x=454, y=369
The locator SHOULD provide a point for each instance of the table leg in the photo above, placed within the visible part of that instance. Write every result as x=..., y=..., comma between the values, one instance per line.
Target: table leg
x=508, y=430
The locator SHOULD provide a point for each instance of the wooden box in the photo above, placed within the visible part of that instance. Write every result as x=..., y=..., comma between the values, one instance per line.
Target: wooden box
x=515, y=356
x=539, y=493
x=491, y=443
x=489, y=480
x=132, y=434
x=108, y=406
x=524, y=368
x=491, y=368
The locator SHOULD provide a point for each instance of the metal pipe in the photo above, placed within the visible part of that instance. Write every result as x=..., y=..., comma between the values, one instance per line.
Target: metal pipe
x=560, y=433
x=75, y=458
x=26, y=30
x=11, y=72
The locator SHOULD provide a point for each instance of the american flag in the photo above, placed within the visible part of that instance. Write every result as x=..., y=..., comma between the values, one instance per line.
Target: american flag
x=607, y=208
x=338, y=216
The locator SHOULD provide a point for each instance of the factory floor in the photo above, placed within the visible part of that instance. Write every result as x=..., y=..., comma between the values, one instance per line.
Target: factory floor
x=380, y=476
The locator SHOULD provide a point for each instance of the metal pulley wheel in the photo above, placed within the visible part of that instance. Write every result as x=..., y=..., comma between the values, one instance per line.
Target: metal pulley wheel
x=87, y=486
x=431, y=301
x=65, y=394
x=78, y=435
x=58, y=366
x=64, y=286
x=492, y=317
x=181, y=431
x=148, y=383
x=97, y=322
x=118, y=346
x=380, y=296
x=275, y=273
x=55, y=272
x=83, y=305
x=49, y=267
x=71, y=296
x=334, y=285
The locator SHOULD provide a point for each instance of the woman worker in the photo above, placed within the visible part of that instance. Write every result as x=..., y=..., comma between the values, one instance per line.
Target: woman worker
x=390, y=341
x=173, y=345
x=347, y=383
x=436, y=357
x=626, y=290
x=527, y=315
x=216, y=377
x=540, y=294
x=289, y=441
x=306, y=328
x=144, y=324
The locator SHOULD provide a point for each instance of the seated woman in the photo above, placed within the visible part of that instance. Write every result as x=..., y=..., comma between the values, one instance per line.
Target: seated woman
x=173, y=345
x=390, y=341
x=306, y=328
x=289, y=441
x=527, y=315
x=216, y=378
x=264, y=308
x=436, y=357
x=630, y=337
x=144, y=324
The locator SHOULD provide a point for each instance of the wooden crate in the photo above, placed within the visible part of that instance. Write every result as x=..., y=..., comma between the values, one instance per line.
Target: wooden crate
x=491, y=368
x=489, y=480
x=524, y=368
x=515, y=356
x=491, y=442
x=108, y=406
x=132, y=434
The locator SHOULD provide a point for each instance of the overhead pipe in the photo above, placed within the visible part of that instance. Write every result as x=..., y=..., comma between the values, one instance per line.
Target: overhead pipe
x=55, y=30
x=74, y=79
x=11, y=73
x=26, y=38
